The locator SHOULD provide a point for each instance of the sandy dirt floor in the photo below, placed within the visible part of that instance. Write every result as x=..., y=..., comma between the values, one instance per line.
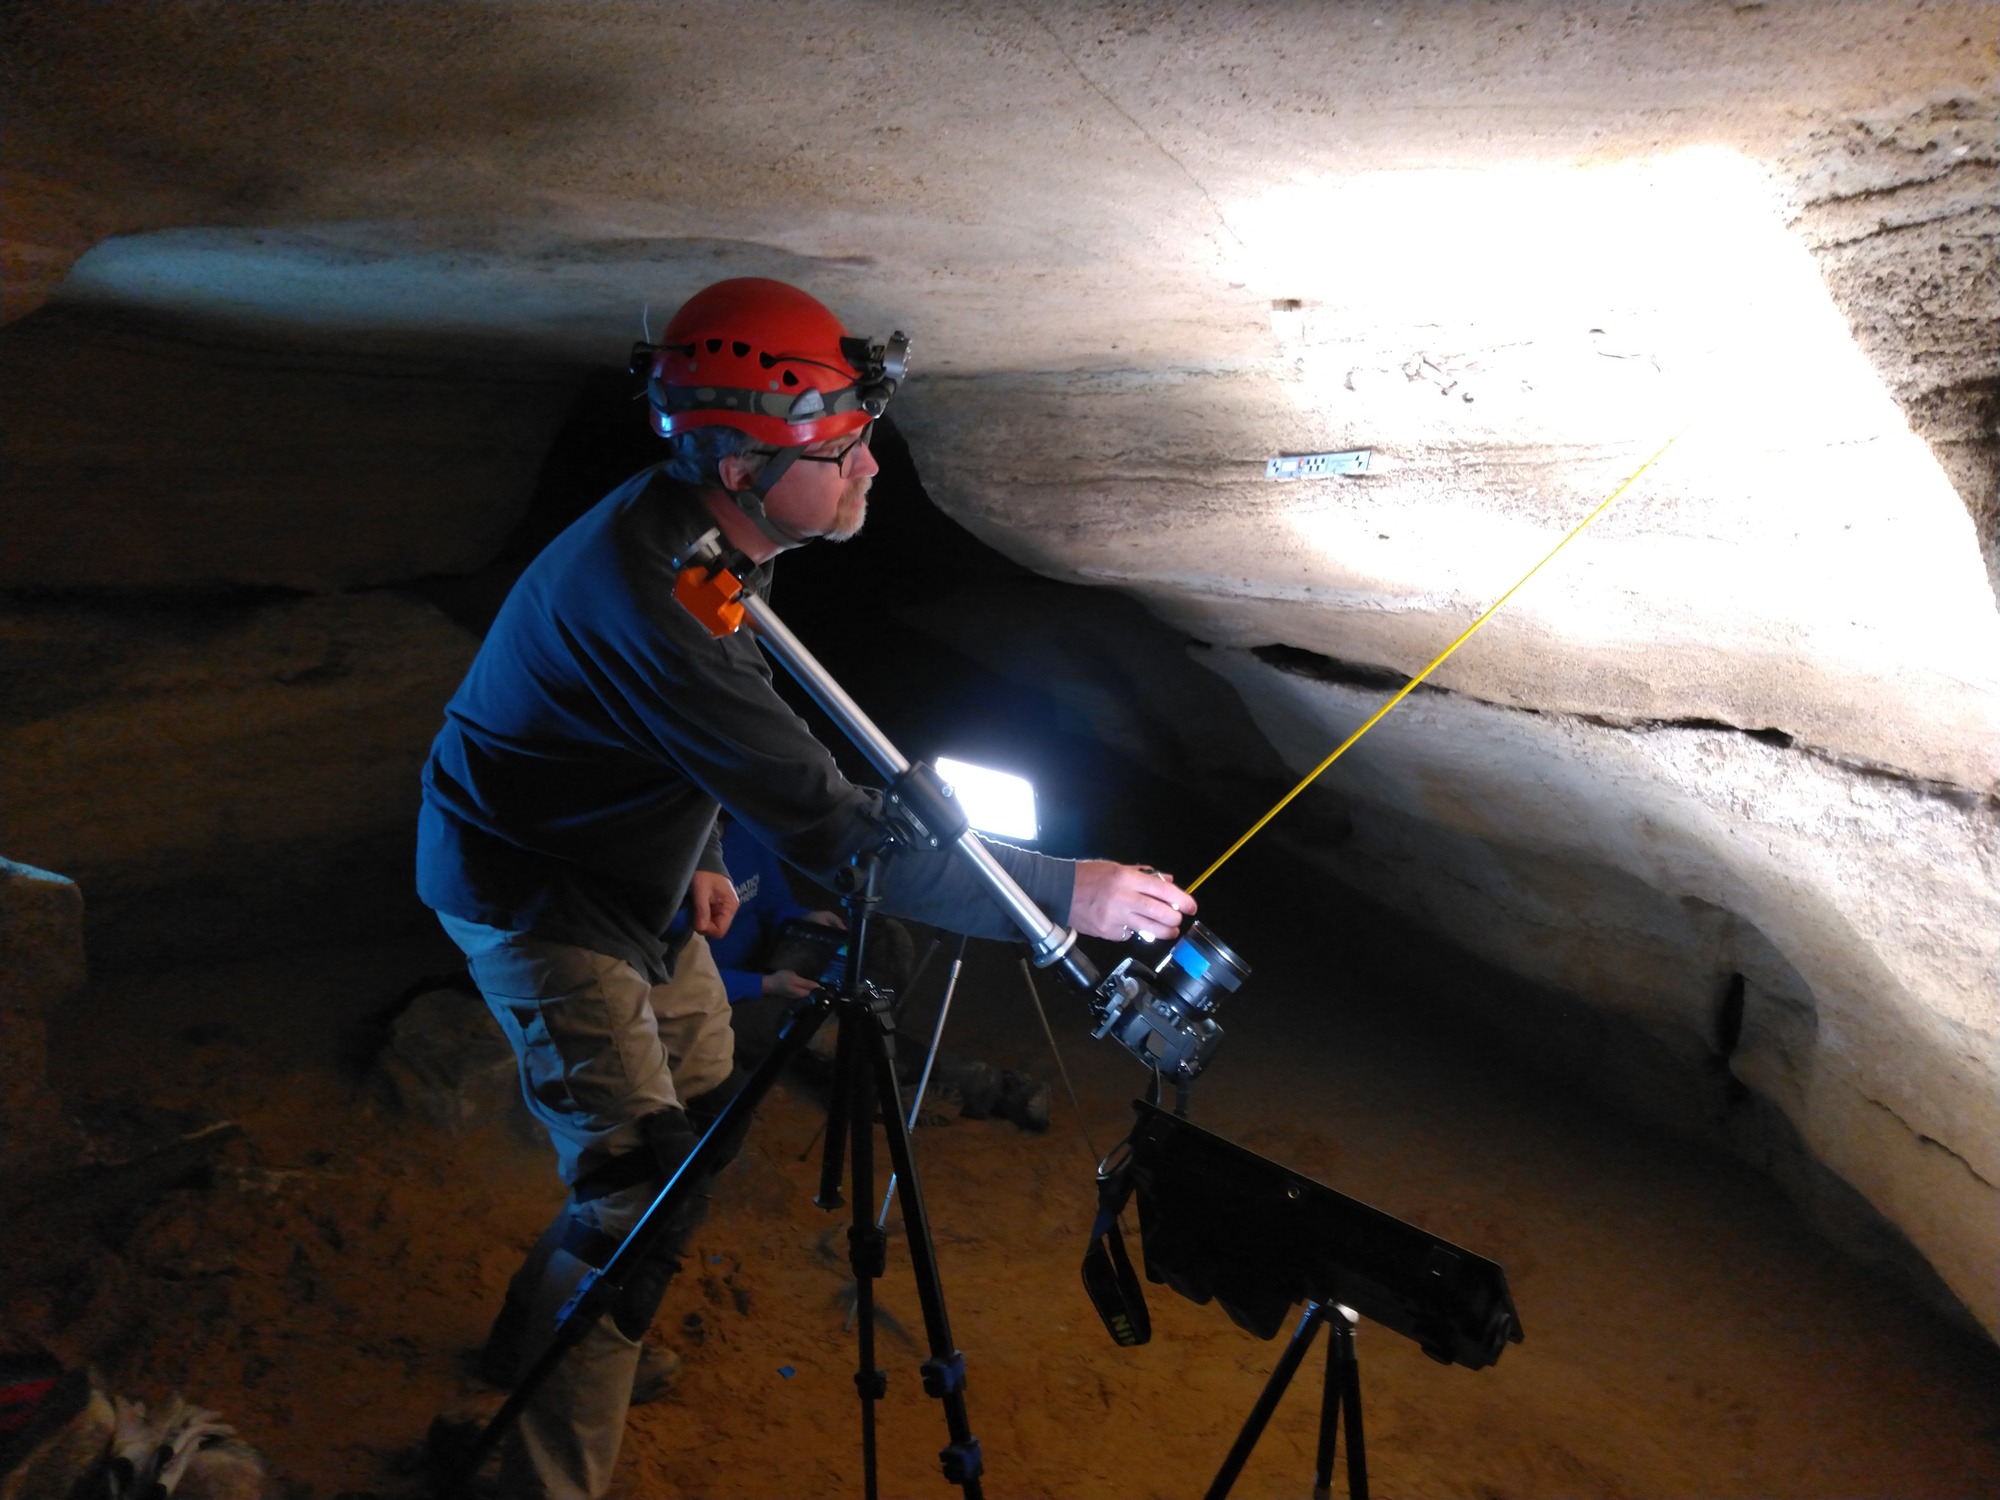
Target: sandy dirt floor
x=1686, y=1334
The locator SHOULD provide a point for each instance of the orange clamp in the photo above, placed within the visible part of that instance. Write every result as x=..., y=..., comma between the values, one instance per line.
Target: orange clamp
x=711, y=598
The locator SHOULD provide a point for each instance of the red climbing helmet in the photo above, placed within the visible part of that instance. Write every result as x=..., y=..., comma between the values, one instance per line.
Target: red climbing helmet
x=768, y=360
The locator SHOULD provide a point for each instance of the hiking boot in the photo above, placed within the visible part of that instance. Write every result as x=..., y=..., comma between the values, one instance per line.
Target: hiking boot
x=453, y=1434
x=654, y=1379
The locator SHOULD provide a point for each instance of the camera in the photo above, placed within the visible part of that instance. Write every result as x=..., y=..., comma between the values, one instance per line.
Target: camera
x=1166, y=1017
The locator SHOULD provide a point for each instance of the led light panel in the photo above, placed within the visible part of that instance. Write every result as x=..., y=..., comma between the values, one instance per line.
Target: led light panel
x=994, y=801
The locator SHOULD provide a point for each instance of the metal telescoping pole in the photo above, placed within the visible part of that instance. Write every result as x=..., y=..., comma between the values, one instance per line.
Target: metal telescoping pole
x=1051, y=943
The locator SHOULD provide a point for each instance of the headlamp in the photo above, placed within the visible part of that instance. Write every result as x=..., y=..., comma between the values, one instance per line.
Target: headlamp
x=881, y=368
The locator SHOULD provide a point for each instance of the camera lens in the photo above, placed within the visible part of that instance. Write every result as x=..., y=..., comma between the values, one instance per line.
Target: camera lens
x=1200, y=965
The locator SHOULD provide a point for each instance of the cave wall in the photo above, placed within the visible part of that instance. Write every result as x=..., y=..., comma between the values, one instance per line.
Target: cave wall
x=1902, y=214
x=1722, y=933
x=147, y=453
x=1829, y=937
x=296, y=298
x=223, y=775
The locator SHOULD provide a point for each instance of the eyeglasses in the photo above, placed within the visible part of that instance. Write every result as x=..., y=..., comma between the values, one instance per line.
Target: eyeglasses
x=840, y=459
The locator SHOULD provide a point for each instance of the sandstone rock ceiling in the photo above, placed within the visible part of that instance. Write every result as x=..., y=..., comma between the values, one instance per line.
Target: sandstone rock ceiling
x=297, y=293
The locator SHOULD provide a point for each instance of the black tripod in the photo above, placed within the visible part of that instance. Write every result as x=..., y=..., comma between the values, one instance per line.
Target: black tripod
x=1340, y=1392
x=865, y=1093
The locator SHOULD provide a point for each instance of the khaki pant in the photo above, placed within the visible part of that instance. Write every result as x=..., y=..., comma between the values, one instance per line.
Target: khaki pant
x=564, y=1445
x=599, y=1049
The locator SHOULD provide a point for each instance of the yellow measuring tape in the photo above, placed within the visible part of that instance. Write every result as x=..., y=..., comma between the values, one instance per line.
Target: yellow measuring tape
x=1436, y=662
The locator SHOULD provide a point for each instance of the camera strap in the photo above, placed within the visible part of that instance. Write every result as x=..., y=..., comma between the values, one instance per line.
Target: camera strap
x=1107, y=1271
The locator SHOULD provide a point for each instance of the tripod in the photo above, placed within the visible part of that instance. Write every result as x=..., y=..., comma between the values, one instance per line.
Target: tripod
x=1340, y=1392
x=865, y=1093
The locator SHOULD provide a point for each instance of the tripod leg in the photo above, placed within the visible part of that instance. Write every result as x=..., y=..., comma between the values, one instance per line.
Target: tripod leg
x=594, y=1296
x=1274, y=1388
x=1350, y=1400
x=867, y=1246
x=838, y=1107
x=930, y=1060
x=944, y=1371
x=1329, y=1416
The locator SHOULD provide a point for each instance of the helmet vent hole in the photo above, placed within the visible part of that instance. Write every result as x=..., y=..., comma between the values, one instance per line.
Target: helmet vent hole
x=766, y=360
x=740, y=349
x=715, y=346
x=790, y=378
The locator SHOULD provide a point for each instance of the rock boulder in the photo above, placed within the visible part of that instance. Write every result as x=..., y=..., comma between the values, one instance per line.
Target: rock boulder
x=41, y=966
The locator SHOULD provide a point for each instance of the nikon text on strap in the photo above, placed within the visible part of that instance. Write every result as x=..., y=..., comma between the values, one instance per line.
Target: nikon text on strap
x=1107, y=1271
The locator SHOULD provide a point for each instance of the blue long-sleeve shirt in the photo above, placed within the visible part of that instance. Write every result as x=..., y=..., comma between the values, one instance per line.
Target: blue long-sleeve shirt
x=572, y=791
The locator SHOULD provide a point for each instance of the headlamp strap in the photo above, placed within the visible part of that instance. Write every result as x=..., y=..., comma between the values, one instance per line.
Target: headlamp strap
x=751, y=501
x=775, y=468
x=1108, y=1277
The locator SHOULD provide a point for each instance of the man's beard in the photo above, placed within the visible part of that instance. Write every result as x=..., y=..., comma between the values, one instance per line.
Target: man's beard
x=850, y=513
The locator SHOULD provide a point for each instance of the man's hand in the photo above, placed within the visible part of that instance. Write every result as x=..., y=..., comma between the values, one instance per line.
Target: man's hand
x=714, y=900
x=788, y=985
x=1118, y=901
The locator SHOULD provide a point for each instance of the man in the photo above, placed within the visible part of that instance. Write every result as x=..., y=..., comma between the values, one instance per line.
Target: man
x=570, y=804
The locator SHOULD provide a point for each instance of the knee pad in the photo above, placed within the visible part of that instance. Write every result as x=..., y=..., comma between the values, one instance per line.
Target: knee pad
x=704, y=1109
x=639, y=1299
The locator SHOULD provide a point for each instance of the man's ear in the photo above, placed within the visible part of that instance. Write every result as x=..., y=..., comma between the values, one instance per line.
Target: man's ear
x=735, y=473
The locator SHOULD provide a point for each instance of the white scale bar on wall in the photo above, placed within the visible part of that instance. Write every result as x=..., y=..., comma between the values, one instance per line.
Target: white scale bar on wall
x=1317, y=465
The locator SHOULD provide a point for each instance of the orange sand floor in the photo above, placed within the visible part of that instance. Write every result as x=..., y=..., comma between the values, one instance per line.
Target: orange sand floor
x=1686, y=1334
